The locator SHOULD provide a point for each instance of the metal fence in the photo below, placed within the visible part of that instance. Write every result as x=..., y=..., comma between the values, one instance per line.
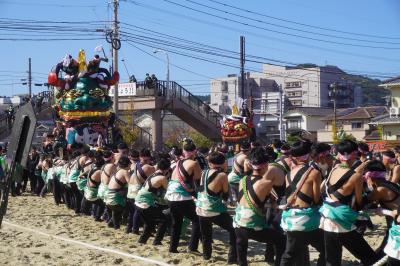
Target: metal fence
x=172, y=90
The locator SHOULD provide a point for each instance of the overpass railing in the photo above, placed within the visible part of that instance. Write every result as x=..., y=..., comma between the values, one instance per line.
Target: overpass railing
x=144, y=137
x=171, y=90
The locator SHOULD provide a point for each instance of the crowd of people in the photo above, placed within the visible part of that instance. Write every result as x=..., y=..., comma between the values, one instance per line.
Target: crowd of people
x=287, y=196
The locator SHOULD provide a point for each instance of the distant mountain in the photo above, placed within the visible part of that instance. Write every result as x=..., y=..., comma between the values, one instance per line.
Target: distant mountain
x=204, y=98
x=372, y=93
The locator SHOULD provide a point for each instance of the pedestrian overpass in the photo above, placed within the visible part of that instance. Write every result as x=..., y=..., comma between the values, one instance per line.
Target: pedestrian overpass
x=171, y=97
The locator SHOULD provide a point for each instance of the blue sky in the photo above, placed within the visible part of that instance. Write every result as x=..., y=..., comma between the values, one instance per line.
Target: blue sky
x=360, y=18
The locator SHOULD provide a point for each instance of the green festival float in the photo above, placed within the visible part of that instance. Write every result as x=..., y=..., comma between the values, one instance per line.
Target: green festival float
x=83, y=107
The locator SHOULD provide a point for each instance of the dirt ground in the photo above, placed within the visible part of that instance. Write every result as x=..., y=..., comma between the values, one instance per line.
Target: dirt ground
x=37, y=232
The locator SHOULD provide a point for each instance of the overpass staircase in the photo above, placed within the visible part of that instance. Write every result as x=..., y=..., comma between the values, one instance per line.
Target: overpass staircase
x=176, y=99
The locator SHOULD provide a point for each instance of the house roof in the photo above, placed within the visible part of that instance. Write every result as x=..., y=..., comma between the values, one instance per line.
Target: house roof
x=374, y=135
x=310, y=111
x=391, y=82
x=358, y=113
x=385, y=120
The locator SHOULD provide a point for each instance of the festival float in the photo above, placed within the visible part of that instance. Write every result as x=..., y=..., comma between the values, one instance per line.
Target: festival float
x=236, y=128
x=83, y=107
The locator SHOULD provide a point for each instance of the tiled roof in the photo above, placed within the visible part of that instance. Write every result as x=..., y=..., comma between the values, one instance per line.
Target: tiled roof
x=312, y=111
x=374, y=135
x=386, y=119
x=358, y=113
x=392, y=81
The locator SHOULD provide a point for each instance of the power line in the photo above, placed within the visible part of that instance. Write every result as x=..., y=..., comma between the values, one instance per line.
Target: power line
x=286, y=27
x=212, y=50
x=303, y=24
x=276, y=31
x=258, y=35
x=39, y=4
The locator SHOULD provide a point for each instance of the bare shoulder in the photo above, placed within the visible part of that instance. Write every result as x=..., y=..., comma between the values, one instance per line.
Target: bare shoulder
x=315, y=174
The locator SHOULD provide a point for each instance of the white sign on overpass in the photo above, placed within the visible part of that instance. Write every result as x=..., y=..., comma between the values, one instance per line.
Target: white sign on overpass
x=124, y=89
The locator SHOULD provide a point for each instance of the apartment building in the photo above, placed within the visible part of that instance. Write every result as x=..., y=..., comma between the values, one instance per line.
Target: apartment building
x=265, y=94
x=310, y=86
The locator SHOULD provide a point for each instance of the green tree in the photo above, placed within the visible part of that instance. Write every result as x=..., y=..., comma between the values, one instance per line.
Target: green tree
x=199, y=139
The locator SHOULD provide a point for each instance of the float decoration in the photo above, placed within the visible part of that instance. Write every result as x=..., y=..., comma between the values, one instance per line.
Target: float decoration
x=82, y=102
x=235, y=127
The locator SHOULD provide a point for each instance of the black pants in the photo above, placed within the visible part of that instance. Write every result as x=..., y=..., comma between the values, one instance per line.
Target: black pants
x=66, y=193
x=296, y=243
x=86, y=205
x=273, y=219
x=266, y=235
x=116, y=215
x=77, y=197
x=98, y=209
x=151, y=217
x=134, y=218
x=379, y=250
x=32, y=180
x=353, y=242
x=224, y=220
x=393, y=262
x=57, y=191
x=180, y=209
x=25, y=179
x=39, y=185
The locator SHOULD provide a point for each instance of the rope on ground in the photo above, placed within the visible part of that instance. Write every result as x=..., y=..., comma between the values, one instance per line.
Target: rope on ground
x=109, y=250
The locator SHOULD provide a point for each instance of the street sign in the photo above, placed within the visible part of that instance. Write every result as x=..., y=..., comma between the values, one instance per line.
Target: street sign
x=124, y=89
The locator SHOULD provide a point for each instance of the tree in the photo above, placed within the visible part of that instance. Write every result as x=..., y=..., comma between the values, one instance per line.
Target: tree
x=129, y=133
x=199, y=139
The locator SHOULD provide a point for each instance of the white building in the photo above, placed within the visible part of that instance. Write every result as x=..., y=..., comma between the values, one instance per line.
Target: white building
x=309, y=86
x=265, y=94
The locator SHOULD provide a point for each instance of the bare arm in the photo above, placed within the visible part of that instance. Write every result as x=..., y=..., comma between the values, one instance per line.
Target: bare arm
x=358, y=188
x=395, y=178
x=196, y=171
x=374, y=196
x=165, y=183
x=317, y=180
x=225, y=185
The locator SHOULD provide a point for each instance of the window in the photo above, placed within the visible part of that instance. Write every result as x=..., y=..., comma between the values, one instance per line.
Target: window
x=294, y=94
x=293, y=124
x=356, y=125
x=296, y=103
x=295, y=84
x=271, y=128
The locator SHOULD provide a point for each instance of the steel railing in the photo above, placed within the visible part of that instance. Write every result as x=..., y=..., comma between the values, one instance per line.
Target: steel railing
x=145, y=137
x=171, y=90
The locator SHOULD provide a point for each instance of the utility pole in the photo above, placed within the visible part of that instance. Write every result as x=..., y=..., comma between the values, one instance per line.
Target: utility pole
x=242, y=61
x=334, y=124
x=115, y=55
x=30, y=78
x=280, y=102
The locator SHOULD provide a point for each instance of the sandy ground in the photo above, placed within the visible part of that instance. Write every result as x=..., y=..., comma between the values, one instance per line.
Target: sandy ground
x=22, y=247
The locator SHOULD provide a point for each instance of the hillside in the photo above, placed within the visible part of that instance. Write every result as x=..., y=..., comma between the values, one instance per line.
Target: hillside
x=372, y=93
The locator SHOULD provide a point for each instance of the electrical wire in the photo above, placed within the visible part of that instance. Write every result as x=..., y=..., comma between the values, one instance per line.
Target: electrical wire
x=302, y=24
x=275, y=31
x=192, y=18
x=211, y=50
x=286, y=27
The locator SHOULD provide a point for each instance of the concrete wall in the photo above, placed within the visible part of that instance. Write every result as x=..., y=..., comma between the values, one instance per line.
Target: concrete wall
x=391, y=132
x=395, y=96
x=325, y=134
x=313, y=123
